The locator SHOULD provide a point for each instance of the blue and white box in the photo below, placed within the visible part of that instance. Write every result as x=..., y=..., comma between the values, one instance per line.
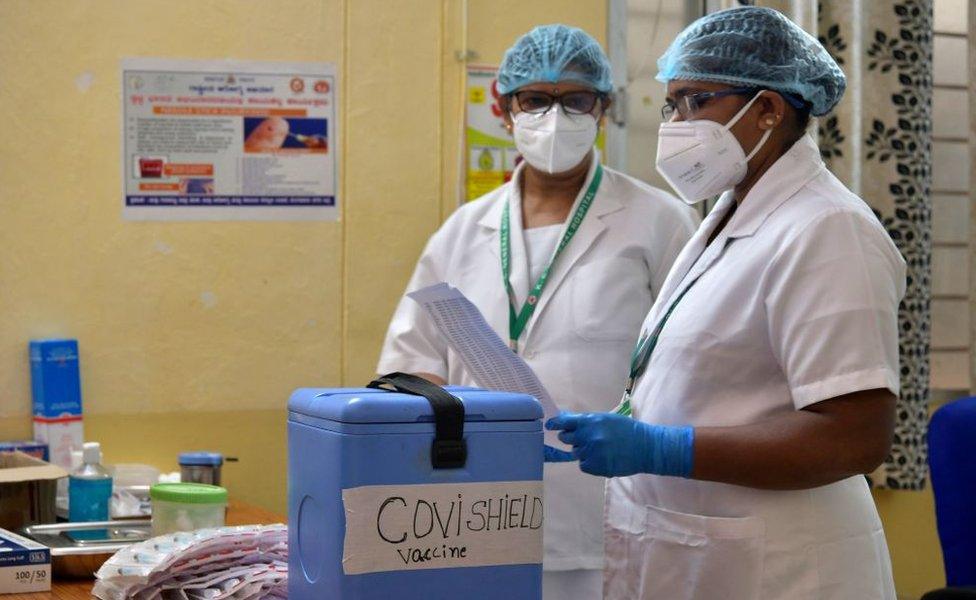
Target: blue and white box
x=56, y=391
x=25, y=565
x=31, y=448
x=384, y=501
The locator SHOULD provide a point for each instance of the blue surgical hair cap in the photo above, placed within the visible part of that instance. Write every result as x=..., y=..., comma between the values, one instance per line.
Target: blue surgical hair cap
x=756, y=47
x=554, y=53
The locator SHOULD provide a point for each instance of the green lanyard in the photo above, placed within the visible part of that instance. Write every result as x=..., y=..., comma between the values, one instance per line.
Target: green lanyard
x=518, y=321
x=641, y=356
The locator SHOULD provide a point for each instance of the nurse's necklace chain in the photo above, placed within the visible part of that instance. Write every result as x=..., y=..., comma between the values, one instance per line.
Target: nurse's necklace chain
x=518, y=321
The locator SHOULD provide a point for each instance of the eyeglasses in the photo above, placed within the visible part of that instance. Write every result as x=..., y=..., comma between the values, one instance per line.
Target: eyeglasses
x=574, y=103
x=690, y=104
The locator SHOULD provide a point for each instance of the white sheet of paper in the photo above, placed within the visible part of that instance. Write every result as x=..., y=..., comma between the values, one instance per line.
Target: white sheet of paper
x=490, y=361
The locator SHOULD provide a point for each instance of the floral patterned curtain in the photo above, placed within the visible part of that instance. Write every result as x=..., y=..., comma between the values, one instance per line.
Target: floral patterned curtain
x=878, y=141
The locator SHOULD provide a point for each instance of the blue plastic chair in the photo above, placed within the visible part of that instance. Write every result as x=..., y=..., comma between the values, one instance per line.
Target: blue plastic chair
x=952, y=458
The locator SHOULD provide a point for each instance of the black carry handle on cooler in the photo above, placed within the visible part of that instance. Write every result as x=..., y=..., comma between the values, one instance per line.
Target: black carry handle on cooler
x=449, y=450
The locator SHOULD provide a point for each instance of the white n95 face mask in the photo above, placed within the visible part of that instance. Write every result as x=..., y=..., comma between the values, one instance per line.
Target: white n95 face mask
x=554, y=142
x=701, y=158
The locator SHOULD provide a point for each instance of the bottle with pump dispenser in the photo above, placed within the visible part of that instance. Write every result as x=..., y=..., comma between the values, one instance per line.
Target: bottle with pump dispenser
x=89, y=487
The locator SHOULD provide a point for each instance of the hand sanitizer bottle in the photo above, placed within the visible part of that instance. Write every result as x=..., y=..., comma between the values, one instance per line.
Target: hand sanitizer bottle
x=89, y=487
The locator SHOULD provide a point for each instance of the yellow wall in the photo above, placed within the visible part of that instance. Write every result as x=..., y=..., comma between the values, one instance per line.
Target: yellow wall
x=165, y=369
x=909, y=523
x=297, y=304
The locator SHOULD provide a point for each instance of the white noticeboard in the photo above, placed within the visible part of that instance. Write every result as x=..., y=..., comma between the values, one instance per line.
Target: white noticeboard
x=445, y=525
x=229, y=140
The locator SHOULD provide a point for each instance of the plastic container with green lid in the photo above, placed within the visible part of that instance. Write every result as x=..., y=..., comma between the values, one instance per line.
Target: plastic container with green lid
x=186, y=506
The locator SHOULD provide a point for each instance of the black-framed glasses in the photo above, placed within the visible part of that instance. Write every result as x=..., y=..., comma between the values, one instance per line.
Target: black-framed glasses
x=690, y=104
x=574, y=103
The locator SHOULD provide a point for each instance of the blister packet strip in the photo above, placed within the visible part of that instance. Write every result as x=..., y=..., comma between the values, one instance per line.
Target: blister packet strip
x=177, y=566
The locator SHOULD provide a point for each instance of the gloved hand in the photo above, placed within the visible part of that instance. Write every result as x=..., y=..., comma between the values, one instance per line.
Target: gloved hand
x=554, y=455
x=614, y=445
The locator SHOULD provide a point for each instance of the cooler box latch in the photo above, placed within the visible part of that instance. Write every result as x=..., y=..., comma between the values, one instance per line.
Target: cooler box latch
x=449, y=451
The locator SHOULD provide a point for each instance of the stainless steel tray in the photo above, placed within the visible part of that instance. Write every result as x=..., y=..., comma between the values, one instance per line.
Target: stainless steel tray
x=79, y=549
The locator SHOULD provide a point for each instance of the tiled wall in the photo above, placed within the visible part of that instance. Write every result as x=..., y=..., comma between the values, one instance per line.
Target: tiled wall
x=950, y=199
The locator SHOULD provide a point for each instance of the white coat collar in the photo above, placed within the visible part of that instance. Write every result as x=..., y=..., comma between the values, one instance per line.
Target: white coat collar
x=695, y=258
x=792, y=171
x=603, y=204
x=589, y=231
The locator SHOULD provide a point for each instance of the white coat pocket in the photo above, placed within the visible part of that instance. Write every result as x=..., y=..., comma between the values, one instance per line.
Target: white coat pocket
x=692, y=557
x=610, y=297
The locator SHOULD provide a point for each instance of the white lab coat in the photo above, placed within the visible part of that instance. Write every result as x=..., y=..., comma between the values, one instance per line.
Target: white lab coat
x=797, y=303
x=579, y=339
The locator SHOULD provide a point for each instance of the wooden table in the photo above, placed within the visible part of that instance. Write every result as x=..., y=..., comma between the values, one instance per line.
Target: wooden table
x=80, y=589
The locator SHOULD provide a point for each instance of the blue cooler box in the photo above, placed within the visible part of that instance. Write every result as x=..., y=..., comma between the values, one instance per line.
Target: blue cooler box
x=385, y=500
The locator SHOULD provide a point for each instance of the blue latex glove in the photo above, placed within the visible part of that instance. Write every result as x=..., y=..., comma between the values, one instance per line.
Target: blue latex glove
x=554, y=455
x=614, y=445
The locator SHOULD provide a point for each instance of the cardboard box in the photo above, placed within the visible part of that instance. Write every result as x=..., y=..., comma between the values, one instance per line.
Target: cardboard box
x=25, y=565
x=27, y=490
x=31, y=448
x=56, y=389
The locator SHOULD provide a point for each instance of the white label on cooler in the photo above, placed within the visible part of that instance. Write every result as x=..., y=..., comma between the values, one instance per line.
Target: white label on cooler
x=436, y=526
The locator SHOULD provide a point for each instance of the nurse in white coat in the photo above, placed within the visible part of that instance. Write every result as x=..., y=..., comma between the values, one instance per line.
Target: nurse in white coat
x=767, y=371
x=572, y=313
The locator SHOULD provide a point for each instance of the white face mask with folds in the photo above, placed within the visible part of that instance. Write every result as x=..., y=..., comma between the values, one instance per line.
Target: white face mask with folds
x=701, y=158
x=554, y=142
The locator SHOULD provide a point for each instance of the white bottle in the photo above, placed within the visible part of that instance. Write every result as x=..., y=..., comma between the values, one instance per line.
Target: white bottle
x=89, y=487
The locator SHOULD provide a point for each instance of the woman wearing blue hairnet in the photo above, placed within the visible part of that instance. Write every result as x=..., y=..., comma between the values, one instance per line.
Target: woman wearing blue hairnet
x=564, y=261
x=764, y=381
